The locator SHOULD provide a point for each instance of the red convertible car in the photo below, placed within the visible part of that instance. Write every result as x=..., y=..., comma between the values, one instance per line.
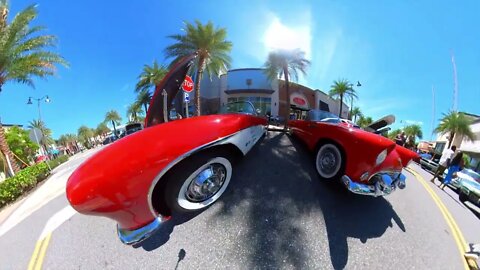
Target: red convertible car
x=167, y=168
x=366, y=163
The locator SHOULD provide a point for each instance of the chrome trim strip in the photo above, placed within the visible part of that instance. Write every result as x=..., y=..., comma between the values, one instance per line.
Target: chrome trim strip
x=130, y=237
x=381, y=188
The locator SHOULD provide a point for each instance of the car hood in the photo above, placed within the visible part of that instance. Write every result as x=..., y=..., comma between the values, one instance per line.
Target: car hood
x=472, y=186
x=171, y=84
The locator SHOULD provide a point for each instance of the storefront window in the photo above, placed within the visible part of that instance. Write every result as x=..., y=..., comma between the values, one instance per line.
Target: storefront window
x=262, y=103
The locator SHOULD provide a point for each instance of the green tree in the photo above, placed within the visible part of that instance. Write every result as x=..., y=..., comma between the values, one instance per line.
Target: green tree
x=150, y=76
x=355, y=113
x=209, y=43
x=392, y=134
x=47, y=133
x=102, y=129
x=364, y=122
x=24, y=54
x=134, y=111
x=414, y=131
x=287, y=64
x=114, y=118
x=20, y=144
x=84, y=135
x=342, y=88
x=455, y=123
x=143, y=98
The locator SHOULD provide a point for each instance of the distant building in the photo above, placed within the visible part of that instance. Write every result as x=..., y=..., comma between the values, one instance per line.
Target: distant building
x=252, y=84
x=6, y=127
x=472, y=148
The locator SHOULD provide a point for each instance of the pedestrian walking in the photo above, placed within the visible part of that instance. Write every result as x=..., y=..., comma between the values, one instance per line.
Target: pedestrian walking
x=474, y=251
x=455, y=166
x=444, y=162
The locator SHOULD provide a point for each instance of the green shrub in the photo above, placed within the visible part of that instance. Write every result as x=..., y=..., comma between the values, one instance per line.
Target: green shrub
x=56, y=162
x=26, y=179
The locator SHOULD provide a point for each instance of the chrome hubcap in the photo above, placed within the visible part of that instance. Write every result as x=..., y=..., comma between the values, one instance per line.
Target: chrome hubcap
x=328, y=161
x=206, y=183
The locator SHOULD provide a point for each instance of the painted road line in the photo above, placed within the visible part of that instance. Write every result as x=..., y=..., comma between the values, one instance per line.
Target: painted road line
x=53, y=223
x=39, y=253
x=457, y=234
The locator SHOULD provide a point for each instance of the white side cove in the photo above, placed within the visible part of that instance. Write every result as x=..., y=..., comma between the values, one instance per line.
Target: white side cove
x=247, y=138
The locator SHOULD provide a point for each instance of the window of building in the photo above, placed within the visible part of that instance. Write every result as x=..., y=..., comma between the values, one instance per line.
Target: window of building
x=324, y=106
x=262, y=103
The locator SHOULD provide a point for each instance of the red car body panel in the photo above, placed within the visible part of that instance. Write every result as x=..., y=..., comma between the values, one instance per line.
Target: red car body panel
x=360, y=147
x=115, y=182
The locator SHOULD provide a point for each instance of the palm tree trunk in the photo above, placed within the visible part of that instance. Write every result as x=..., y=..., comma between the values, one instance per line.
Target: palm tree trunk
x=341, y=105
x=450, y=140
x=11, y=163
x=198, y=79
x=114, y=128
x=287, y=90
x=145, y=106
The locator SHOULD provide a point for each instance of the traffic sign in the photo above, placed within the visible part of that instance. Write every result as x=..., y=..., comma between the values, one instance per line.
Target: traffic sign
x=187, y=84
x=186, y=97
x=35, y=135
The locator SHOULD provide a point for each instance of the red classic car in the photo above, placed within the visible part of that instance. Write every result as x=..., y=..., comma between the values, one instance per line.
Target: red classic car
x=366, y=163
x=168, y=167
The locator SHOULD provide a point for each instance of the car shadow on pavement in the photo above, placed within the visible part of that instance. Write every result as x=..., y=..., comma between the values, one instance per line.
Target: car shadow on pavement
x=162, y=235
x=278, y=185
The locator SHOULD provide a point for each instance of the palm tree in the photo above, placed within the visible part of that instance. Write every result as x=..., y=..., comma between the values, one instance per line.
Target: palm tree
x=84, y=134
x=343, y=89
x=134, y=111
x=102, y=129
x=355, y=113
x=286, y=63
x=113, y=117
x=150, y=76
x=46, y=132
x=209, y=43
x=364, y=122
x=143, y=98
x=24, y=54
x=392, y=134
x=455, y=123
x=414, y=131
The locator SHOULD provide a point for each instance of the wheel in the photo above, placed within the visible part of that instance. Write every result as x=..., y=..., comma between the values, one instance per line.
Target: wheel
x=329, y=162
x=462, y=197
x=198, y=182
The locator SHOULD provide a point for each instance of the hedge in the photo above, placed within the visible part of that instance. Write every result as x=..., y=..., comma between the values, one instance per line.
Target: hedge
x=25, y=180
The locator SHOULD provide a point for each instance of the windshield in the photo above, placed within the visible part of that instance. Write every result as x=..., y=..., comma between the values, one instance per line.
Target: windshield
x=472, y=174
x=322, y=116
x=243, y=107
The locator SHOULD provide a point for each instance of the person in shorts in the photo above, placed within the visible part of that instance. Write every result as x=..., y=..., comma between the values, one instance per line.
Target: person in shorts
x=444, y=162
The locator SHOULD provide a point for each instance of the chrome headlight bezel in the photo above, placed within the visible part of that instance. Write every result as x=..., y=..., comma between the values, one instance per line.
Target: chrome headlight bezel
x=381, y=157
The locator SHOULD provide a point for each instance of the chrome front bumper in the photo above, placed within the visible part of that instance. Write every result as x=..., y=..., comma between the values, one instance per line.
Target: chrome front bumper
x=385, y=184
x=131, y=237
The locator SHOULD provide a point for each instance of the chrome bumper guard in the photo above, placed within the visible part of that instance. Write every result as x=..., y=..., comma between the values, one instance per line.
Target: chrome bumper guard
x=131, y=237
x=385, y=184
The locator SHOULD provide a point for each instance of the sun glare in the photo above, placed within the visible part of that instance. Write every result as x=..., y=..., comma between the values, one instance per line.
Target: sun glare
x=280, y=36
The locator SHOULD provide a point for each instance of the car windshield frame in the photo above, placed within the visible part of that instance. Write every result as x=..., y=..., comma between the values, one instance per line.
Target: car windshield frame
x=316, y=115
x=240, y=107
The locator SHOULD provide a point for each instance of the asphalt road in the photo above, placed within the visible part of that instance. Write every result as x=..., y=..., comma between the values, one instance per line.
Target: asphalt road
x=275, y=214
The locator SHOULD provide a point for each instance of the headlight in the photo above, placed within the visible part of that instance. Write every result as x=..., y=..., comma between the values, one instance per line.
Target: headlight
x=381, y=157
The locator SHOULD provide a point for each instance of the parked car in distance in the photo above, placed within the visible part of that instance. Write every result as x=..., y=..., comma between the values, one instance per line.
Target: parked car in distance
x=465, y=174
x=168, y=168
x=109, y=139
x=469, y=191
x=428, y=164
x=365, y=162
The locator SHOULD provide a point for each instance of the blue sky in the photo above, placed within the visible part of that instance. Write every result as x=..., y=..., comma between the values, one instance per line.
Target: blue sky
x=398, y=51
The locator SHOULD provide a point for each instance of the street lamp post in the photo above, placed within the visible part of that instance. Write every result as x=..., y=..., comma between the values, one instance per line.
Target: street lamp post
x=47, y=100
x=29, y=102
